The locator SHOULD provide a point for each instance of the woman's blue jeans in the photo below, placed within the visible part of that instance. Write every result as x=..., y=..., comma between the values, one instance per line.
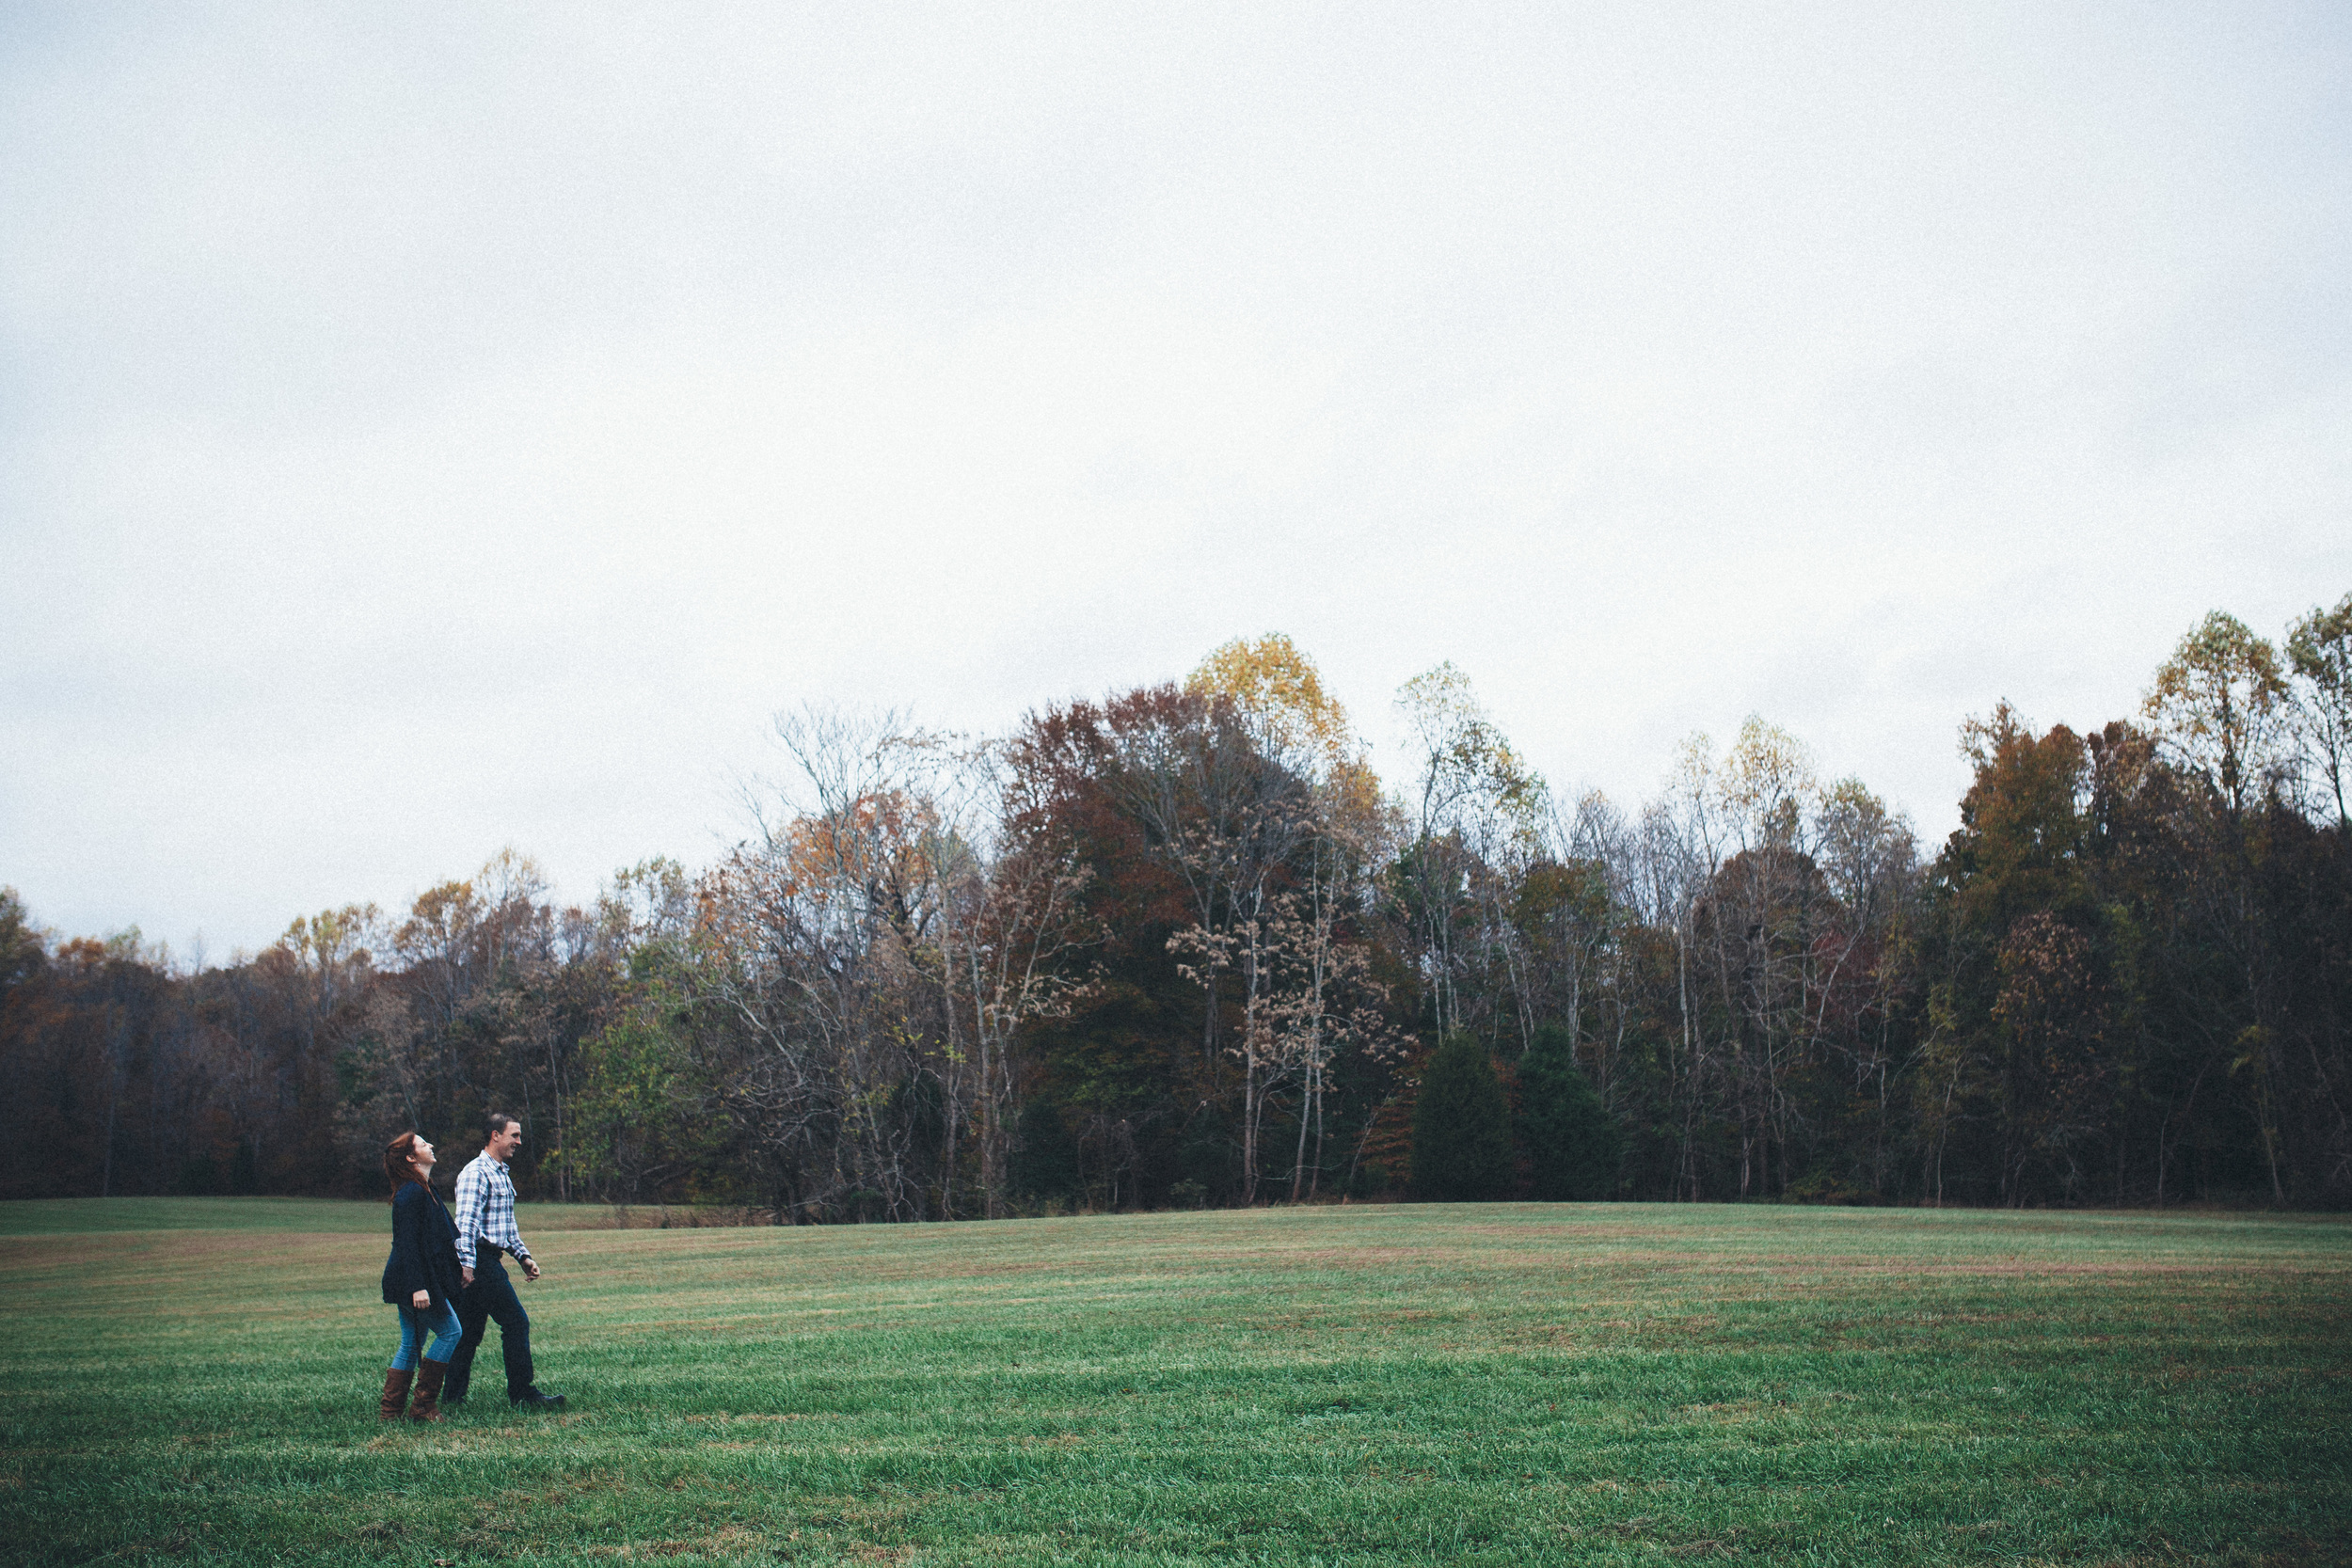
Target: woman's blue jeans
x=441, y=1321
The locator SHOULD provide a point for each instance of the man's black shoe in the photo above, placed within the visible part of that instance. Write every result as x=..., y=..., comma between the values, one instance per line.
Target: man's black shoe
x=536, y=1401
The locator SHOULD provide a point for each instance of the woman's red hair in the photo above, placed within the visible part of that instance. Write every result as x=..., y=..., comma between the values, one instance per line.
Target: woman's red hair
x=398, y=1162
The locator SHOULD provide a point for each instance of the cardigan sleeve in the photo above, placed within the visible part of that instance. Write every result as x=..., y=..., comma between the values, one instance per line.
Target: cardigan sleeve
x=408, y=1242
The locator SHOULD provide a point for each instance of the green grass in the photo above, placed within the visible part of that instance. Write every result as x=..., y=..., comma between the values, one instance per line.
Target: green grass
x=195, y=1380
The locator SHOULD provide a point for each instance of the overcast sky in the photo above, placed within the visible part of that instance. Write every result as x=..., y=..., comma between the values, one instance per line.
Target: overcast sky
x=424, y=429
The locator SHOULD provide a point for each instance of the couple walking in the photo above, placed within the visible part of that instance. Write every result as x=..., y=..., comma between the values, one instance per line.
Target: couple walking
x=445, y=1277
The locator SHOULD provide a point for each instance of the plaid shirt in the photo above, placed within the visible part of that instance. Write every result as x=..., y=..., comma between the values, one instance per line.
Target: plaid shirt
x=485, y=1209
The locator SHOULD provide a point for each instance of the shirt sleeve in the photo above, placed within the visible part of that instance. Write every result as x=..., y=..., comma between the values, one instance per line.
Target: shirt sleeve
x=514, y=1227
x=468, y=1216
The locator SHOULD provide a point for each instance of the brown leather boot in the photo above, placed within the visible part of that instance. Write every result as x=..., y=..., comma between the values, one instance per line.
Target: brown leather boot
x=395, y=1392
x=427, y=1404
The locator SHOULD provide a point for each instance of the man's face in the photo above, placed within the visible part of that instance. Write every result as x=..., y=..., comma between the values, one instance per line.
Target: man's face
x=503, y=1144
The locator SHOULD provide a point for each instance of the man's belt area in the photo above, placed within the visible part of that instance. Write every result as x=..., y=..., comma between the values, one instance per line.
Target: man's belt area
x=483, y=1245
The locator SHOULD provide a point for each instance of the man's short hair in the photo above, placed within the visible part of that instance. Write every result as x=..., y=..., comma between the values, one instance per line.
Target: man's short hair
x=497, y=1122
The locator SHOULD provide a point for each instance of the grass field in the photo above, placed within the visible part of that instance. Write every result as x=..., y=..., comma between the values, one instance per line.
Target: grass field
x=194, y=1380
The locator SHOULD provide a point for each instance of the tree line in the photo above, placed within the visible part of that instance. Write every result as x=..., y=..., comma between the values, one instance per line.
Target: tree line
x=1182, y=946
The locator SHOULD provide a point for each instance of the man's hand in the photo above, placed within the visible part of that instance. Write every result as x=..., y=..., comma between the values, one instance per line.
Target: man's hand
x=421, y=1300
x=531, y=1268
x=469, y=1273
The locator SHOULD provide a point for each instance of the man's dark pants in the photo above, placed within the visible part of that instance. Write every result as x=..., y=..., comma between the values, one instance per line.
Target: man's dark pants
x=490, y=1296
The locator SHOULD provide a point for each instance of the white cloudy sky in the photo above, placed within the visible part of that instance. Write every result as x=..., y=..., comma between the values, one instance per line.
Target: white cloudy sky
x=424, y=429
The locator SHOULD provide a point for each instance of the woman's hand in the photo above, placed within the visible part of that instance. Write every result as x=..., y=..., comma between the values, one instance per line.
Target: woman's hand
x=421, y=1300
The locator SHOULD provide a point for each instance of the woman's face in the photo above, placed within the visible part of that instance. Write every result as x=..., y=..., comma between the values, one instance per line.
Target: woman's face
x=421, y=1156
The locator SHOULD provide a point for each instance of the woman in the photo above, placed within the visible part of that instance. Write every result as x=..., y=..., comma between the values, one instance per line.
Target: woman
x=420, y=1278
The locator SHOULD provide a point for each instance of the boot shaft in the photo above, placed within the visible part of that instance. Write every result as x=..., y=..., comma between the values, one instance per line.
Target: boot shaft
x=395, y=1401
x=427, y=1404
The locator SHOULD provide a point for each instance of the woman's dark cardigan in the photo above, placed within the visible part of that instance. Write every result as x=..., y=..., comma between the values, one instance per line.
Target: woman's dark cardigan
x=424, y=1250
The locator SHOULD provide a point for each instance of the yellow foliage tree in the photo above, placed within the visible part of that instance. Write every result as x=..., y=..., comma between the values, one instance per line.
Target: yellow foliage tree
x=1281, y=691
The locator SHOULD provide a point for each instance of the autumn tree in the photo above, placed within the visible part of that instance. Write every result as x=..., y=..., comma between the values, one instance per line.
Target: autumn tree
x=2319, y=651
x=1310, y=991
x=2052, y=1018
x=2219, y=704
x=1472, y=808
x=1182, y=945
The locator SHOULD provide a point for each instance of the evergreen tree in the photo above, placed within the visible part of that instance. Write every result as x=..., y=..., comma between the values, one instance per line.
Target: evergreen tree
x=1046, y=1164
x=1461, y=1125
x=1573, y=1145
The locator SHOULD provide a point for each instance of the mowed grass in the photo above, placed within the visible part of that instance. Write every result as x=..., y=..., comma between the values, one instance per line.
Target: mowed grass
x=195, y=1381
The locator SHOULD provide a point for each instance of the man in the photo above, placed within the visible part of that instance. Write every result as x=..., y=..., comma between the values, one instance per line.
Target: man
x=485, y=1229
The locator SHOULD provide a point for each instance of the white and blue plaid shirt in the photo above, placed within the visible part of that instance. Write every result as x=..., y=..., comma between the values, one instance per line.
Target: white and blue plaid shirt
x=485, y=1209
